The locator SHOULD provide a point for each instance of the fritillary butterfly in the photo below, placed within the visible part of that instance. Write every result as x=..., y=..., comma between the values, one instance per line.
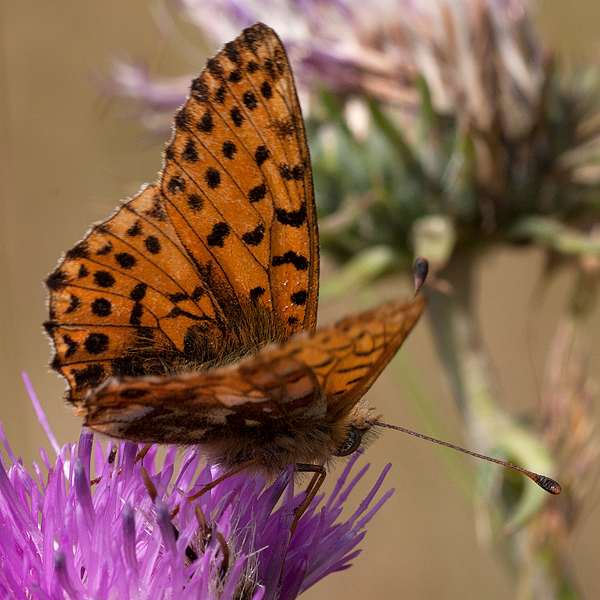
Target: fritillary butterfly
x=188, y=317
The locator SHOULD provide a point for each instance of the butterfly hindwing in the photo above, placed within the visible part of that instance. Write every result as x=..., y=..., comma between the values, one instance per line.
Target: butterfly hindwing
x=346, y=358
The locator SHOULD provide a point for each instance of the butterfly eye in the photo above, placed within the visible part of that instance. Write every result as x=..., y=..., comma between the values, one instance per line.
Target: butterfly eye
x=351, y=443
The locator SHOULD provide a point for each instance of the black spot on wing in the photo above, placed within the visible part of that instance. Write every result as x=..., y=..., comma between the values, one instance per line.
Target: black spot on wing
x=299, y=298
x=135, y=317
x=221, y=95
x=138, y=292
x=285, y=172
x=50, y=327
x=135, y=229
x=206, y=123
x=90, y=376
x=101, y=307
x=197, y=293
x=232, y=52
x=249, y=100
x=79, y=251
x=254, y=237
x=218, y=234
x=182, y=118
x=71, y=344
x=105, y=249
x=190, y=152
x=104, y=279
x=293, y=218
x=297, y=172
x=261, y=154
x=195, y=202
x=212, y=178
x=176, y=184
x=269, y=68
x=266, y=90
x=215, y=68
x=125, y=260
x=235, y=76
x=158, y=210
x=152, y=244
x=56, y=363
x=200, y=90
x=74, y=304
x=236, y=116
x=229, y=149
x=257, y=193
x=291, y=258
x=56, y=281
x=257, y=292
x=177, y=297
x=96, y=343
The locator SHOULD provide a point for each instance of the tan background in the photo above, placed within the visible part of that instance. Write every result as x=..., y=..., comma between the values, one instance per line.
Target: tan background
x=67, y=158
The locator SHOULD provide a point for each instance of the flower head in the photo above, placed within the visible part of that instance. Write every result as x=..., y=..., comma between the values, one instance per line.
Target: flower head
x=98, y=524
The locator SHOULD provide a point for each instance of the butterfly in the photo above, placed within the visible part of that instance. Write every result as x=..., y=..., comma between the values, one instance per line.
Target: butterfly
x=189, y=316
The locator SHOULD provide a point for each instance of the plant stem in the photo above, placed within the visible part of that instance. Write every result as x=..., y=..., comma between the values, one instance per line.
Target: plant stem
x=468, y=366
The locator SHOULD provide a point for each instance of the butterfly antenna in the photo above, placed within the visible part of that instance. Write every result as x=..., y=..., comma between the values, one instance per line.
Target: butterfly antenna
x=546, y=483
x=421, y=268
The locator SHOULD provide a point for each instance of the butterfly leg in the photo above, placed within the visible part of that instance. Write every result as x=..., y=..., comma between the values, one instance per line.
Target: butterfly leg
x=311, y=491
x=204, y=529
x=225, y=553
x=217, y=481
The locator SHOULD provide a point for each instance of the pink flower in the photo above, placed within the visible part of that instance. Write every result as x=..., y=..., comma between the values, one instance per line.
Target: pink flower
x=62, y=536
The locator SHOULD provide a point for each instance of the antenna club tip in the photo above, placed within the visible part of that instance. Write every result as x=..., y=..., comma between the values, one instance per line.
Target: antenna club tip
x=421, y=268
x=548, y=484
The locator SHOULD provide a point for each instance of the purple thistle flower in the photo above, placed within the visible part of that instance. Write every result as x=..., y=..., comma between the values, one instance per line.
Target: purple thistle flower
x=372, y=48
x=88, y=527
x=345, y=46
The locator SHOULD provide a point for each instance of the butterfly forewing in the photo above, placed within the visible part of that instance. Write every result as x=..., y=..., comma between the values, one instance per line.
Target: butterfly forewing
x=220, y=256
x=240, y=136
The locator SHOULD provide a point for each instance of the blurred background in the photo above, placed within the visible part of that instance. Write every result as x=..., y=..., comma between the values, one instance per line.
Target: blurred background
x=68, y=155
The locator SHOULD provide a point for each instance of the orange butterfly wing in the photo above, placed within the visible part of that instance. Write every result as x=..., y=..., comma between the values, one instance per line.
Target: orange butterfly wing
x=346, y=358
x=221, y=256
x=290, y=403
